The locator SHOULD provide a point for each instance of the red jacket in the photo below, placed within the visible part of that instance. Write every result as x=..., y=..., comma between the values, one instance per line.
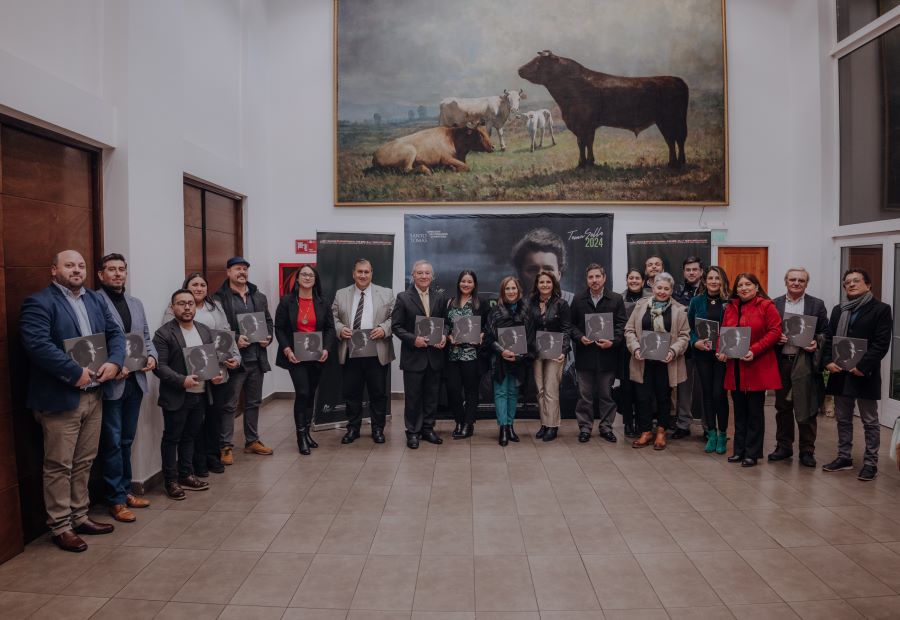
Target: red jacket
x=761, y=316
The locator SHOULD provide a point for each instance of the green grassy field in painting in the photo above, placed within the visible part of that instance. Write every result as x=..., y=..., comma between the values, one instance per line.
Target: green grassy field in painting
x=627, y=168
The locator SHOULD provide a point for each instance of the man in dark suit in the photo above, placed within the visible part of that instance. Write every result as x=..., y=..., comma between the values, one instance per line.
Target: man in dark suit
x=420, y=362
x=596, y=362
x=182, y=396
x=122, y=397
x=66, y=398
x=800, y=376
x=861, y=316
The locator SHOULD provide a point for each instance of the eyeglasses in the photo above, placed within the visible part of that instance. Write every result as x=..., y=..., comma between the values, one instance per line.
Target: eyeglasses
x=307, y=275
x=853, y=281
x=184, y=304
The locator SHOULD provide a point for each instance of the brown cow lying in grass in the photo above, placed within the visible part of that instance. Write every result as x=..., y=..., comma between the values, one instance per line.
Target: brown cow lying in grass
x=431, y=148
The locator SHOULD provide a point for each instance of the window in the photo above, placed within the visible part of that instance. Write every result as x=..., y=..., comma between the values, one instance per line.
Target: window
x=854, y=14
x=212, y=230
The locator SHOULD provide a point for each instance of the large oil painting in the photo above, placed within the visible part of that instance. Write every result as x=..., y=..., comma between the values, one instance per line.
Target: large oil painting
x=529, y=101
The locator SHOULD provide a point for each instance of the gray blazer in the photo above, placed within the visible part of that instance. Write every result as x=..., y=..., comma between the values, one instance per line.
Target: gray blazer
x=343, y=310
x=113, y=390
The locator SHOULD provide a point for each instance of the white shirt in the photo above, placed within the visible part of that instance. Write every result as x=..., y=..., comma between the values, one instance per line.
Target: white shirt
x=203, y=315
x=192, y=339
x=368, y=315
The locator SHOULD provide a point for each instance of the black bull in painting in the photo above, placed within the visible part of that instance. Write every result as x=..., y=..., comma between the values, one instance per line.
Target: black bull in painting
x=590, y=99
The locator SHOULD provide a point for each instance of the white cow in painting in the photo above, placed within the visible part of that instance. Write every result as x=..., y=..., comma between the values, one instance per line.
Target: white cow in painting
x=538, y=121
x=493, y=111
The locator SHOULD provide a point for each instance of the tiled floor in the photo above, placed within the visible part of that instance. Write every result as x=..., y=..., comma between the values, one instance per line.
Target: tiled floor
x=472, y=531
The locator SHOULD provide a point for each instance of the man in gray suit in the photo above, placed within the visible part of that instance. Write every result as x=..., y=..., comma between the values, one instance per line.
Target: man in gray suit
x=364, y=305
x=800, y=378
x=122, y=397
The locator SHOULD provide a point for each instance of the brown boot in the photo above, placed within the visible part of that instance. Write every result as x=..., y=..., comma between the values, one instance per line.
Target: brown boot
x=660, y=443
x=643, y=441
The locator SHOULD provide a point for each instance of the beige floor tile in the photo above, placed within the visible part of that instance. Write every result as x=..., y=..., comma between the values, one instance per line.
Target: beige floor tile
x=16, y=605
x=498, y=535
x=190, y=611
x=844, y=575
x=164, y=529
x=296, y=613
x=273, y=580
x=378, y=473
x=302, y=533
x=825, y=610
x=596, y=535
x=620, y=583
x=365, y=498
x=880, y=608
x=644, y=533
x=503, y=583
x=786, y=575
x=735, y=582
x=106, y=578
x=165, y=575
x=718, y=612
x=547, y=535
x=118, y=608
x=635, y=614
x=536, y=499
x=324, y=497
x=448, y=535
x=242, y=612
x=408, y=499
x=443, y=615
x=450, y=501
x=241, y=497
x=877, y=559
x=492, y=500
x=691, y=533
x=445, y=583
x=368, y=614
x=350, y=534
x=255, y=532
x=764, y=611
x=399, y=535
x=738, y=530
x=330, y=581
x=878, y=526
x=218, y=578
x=787, y=530
x=561, y=583
x=62, y=607
x=834, y=529
x=208, y=531
x=742, y=495
x=676, y=581
x=551, y=614
x=507, y=615
x=388, y=583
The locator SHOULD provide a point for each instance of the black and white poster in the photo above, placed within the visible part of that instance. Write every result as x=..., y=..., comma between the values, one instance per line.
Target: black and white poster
x=431, y=329
x=672, y=248
x=87, y=351
x=202, y=361
x=734, y=342
x=707, y=330
x=800, y=329
x=362, y=344
x=308, y=346
x=135, y=353
x=846, y=352
x=549, y=344
x=655, y=345
x=223, y=340
x=513, y=339
x=335, y=256
x=467, y=330
x=598, y=326
x=253, y=326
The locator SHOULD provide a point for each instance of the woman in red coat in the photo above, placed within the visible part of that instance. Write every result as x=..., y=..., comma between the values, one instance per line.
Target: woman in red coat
x=749, y=377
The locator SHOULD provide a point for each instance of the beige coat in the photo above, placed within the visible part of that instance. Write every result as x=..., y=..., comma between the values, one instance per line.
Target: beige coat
x=681, y=337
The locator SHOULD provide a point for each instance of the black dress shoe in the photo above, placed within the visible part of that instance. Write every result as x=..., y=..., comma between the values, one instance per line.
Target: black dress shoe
x=541, y=432
x=735, y=458
x=779, y=454
x=551, y=433
x=468, y=430
x=302, y=443
x=630, y=431
x=92, y=528
x=350, y=436
x=377, y=435
x=412, y=442
x=680, y=433
x=748, y=463
x=310, y=440
x=431, y=437
x=70, y=541
x=807, y=459
x=511, y=432
x=503, y=437
x=457, y=431
x=608, y=436
x=174, y=491
x=193, y=483
x=584, y=436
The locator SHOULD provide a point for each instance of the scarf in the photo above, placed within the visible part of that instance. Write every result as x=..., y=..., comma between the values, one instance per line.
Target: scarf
x=657, y=308
x=848, y=308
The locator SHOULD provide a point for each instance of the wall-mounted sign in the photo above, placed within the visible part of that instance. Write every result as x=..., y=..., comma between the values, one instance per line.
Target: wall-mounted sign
x=305, y=246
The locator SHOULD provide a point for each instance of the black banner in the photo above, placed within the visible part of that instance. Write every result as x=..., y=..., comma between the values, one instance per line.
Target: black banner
x=337, y=252
x=495, y=246
x=672, y=248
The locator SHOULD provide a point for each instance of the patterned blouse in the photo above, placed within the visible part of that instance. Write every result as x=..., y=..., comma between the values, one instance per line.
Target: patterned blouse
x=462, y=352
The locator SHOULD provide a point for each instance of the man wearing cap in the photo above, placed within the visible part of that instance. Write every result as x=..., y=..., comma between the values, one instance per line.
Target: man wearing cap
x=239, y=296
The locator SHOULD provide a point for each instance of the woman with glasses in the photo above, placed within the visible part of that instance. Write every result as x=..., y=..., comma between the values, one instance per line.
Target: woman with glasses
x=304, y=310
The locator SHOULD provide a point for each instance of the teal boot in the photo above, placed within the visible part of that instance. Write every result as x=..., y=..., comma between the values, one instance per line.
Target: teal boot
x=711, y=441
x=721, y=443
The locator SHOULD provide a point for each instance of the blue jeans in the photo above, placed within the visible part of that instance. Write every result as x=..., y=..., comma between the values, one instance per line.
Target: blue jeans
x=506, y=396
x=120, y=419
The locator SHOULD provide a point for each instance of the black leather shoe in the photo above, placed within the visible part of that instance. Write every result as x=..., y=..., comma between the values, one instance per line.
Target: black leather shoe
x=310, y=440
x=174, y=491
x=503, y=438
x=412, y=442
x=735, y=458
x=92, y=528
x=193, y=483
x=431, y=437
x=512, y=433
x=468, y=430
x=541, y=432
x=70, y=541
x=680, y=433
x=584, y=436
x=377, y=435
x=807, y=459
x=302, y=443
x=630, y=431
x=551, y=433
x=457, y=431
x=748, y=463
x=609, y=436
x=350, y=436
x=780, y=454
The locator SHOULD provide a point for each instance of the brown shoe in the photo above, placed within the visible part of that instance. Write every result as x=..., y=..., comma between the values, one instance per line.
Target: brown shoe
x=660, y=443
x=257, y=447
x=70, y=541
x=120, y=512
x=643, y=441
x=92, y=528
x=174, y=491
x=132, y=501
x=226, y=456
x=193, y=483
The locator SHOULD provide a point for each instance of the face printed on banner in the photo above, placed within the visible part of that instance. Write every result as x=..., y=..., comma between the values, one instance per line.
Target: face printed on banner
x=536, y=262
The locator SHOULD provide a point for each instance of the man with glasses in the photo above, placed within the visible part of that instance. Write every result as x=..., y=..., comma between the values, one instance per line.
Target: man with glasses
x=861, y=316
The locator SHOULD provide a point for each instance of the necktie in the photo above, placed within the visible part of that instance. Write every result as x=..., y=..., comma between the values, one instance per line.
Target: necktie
x=424, y=297
x=357, y=318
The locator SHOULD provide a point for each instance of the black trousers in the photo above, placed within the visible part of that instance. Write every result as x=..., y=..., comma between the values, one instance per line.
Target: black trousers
x=784, y=415
x=749, y=423
x=421, y=389
x=654, y=396
x=305, y=377
x=626, y=399
x=365, y=373
x=180, y=429
x=463, y=379
x=206, y=445
x=715, y=397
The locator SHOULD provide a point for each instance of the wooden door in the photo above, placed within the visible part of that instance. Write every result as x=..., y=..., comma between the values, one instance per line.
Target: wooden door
x=49, y=201
x=213, y=231
x=868, y=258
x=745, y=259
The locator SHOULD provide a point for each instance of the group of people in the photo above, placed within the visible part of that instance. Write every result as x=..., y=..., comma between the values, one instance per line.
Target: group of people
x=81, y=409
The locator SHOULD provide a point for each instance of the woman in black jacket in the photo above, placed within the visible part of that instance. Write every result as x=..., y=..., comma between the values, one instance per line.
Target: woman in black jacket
x=507, y=368
x=626, y=393
x=303, y=310
x=463, y=372
x=549, y=312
